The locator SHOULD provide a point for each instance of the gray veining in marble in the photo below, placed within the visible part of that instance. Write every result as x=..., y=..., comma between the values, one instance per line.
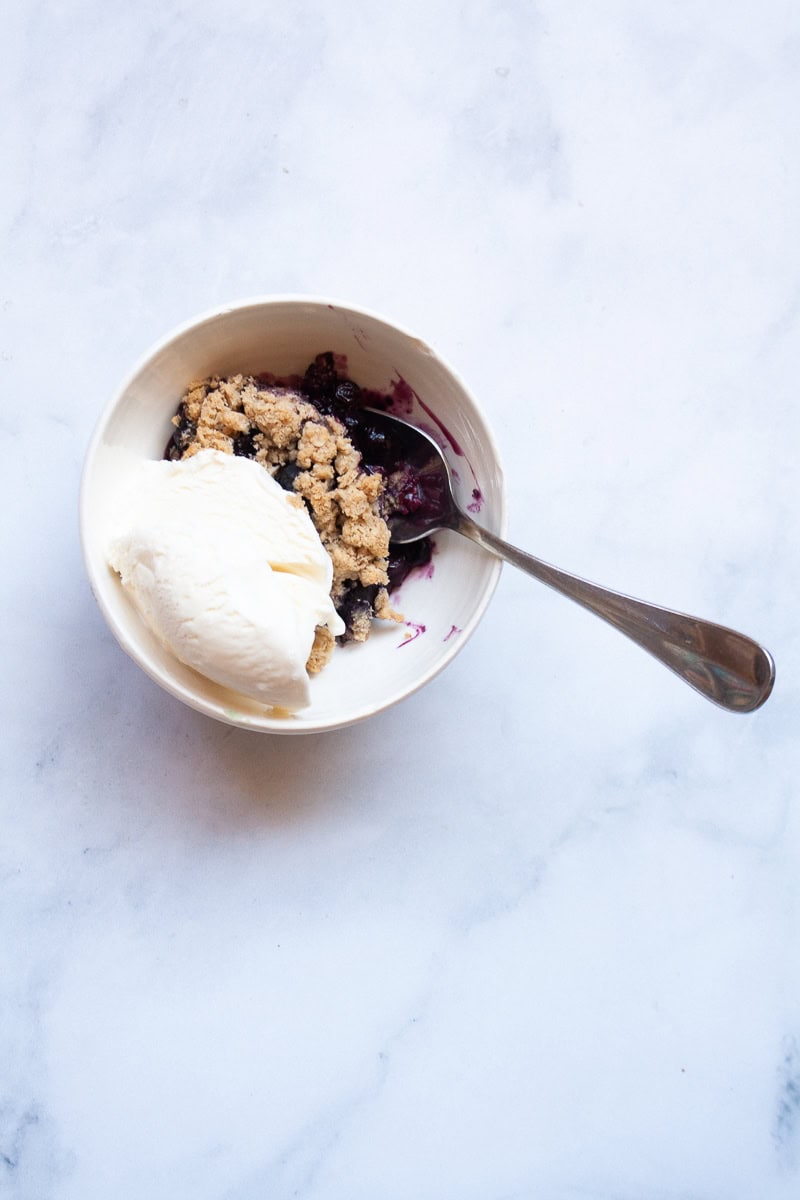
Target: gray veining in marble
x=530, y=934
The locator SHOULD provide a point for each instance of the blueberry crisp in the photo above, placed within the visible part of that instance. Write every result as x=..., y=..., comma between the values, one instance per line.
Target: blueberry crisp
x=312, y=434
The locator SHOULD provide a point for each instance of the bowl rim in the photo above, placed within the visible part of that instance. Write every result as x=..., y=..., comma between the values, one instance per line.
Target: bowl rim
x=258, y=723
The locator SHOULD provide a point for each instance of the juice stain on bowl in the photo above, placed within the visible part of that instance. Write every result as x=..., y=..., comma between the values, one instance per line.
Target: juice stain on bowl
x=413, y=632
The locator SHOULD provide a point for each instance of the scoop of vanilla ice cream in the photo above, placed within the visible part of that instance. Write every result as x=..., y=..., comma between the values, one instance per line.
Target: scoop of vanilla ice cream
x=227, y=571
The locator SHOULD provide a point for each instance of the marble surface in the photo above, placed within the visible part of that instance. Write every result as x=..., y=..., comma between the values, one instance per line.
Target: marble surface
x=534, y=933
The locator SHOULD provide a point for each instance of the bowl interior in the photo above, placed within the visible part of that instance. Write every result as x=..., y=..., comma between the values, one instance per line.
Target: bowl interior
x=442, y=605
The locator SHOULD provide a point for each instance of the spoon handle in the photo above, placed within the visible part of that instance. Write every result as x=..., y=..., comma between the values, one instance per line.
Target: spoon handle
x=724, y=666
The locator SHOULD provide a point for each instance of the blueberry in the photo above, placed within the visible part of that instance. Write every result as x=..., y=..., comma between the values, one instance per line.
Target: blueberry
x=182, y=436
x=320, y=380
x=347, y=393
x=357, y=602
x=287, y=475
x=244, y=445
x=352, y=424
x=403, y=559
x=376, y=446
x=421, y=493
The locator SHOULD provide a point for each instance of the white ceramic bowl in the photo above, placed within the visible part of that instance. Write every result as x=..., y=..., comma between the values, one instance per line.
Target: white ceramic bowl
x=282, y=334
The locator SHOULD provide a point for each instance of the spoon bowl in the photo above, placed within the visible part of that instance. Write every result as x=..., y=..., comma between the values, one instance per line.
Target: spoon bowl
x=726, y=667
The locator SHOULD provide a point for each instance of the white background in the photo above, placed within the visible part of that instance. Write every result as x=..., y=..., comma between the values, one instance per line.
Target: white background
x=534, y=933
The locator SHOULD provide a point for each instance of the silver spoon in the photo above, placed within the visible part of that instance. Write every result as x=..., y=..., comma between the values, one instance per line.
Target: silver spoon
x=724, y=666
